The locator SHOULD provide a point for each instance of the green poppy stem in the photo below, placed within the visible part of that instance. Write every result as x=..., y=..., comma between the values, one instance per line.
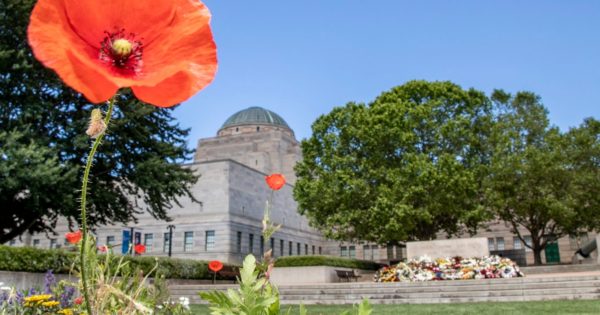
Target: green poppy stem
x=86, y=175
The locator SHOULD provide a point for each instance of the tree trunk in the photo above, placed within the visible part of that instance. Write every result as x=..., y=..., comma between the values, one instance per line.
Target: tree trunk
x=537, y=256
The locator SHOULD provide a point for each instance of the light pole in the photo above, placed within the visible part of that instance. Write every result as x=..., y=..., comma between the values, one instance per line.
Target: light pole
x=170, y=227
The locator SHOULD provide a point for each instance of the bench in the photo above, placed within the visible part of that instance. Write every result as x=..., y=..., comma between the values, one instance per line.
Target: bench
x=229, y=273
x=347, y=275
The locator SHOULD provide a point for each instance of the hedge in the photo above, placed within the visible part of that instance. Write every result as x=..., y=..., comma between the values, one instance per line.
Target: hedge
x=302, y=261
x=30, y=259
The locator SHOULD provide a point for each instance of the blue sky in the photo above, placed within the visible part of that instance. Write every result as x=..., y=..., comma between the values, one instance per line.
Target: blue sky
x=302, y=58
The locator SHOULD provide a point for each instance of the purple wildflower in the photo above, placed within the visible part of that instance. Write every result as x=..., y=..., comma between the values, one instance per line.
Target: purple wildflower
x=49, y=282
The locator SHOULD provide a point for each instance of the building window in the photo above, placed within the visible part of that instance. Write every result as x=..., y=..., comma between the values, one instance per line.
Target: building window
x=262, y=245
x=251, y=243
x=110, y=241
x=517, y=243
x=36, y=243
x=290, y=249
x=238, y=243
x=500, y=243
x=352, y=252
x=298, y=252
x=209, y=241
x=305, y=249
x=528, y=241
x=320, y=251
x=576, y=241
x=166, y=242
x=188, y=241
x=257, y=128
x=343, y=251
x=367, y=254
x=390, y=252
x=313, y=249
x=281, y=243
x=53, y=243
x=491, y=244
x=148, y=241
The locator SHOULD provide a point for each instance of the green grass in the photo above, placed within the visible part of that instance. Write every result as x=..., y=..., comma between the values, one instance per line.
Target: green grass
x=581, y=307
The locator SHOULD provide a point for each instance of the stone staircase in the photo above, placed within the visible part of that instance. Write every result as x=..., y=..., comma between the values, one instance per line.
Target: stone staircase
x=551, y=287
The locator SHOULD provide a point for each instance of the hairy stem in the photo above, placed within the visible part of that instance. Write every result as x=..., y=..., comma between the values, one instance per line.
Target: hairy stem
x=84, y=229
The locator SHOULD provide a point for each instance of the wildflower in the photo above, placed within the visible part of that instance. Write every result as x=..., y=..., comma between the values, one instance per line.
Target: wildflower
x=275, y=181
x=139, y=249
x=78, y=300
x=162, y=49
x=215, y=266
x=66, y=311
x=73, y=237
x=97, y=125
x=50, y=303
x=103, y=248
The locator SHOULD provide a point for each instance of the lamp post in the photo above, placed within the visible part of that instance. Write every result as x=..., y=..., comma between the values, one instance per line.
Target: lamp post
x=170, y=227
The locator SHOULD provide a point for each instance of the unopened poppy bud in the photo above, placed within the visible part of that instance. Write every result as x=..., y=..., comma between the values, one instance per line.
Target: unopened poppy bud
x=122, y=47
x=97, y=125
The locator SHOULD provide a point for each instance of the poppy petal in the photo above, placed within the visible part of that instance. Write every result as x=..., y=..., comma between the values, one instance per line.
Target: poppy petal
x=91, y=18
x=175, y=89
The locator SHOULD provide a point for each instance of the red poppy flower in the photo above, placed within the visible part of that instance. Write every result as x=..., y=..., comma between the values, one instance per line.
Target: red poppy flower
x=275, y=181
x=163, y=49
x=139, y=249
x=215, y=265
x=103, y=248
x=73, y=237
x=78, y=300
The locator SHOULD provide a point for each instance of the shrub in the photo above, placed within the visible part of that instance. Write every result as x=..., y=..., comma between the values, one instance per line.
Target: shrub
x=30, y=259
x=303, y=261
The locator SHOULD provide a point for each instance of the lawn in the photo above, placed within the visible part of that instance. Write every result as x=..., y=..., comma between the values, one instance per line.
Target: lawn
x=580, y=307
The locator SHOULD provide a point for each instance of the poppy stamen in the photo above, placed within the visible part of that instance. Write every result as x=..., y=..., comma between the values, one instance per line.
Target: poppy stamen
x=122, y=51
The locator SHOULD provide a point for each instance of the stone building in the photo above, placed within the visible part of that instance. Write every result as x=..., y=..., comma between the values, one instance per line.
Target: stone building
x=227, y=224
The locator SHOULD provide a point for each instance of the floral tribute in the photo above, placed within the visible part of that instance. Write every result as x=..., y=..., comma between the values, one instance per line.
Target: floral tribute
x=275, y=181
x=456, y=268
x=215, y=266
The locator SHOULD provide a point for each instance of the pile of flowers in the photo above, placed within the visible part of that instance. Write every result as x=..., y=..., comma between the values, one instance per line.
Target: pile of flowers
x=456, y=268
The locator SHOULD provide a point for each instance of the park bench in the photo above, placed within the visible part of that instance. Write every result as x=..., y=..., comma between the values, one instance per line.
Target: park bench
x=347, y=275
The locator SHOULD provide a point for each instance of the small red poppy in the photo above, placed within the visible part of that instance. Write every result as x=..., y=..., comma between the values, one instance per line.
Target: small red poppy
x=275, y=181
x=78, y=300
x=103, y=248
x=73, y=237
x=139, y=249
x=215, y=265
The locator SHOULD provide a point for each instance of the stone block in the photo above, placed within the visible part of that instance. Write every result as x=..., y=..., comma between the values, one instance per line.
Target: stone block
x=464, y=247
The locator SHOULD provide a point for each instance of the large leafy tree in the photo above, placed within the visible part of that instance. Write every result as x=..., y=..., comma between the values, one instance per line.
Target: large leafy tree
x=405, y=167
x=541, y=180
x=43, y=145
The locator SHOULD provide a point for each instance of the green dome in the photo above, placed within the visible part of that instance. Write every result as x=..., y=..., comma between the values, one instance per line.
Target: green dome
x=255, y=116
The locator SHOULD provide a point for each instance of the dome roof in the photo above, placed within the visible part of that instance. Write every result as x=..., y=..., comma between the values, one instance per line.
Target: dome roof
x=255, y=116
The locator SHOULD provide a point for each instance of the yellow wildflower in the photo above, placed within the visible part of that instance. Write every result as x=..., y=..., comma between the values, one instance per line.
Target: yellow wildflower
x=50, y=303
x=37, y=298
x=66, y=311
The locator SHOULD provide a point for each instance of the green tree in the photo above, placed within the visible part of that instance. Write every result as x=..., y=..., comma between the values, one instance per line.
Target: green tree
x=43, y=145
x=404, y=167
x=540, y=179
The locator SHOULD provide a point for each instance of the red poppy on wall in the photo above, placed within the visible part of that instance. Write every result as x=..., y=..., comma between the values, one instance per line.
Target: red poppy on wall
x=139, y=249
x=215, y=266
x=275, y=181
x=73, y=237
x=162, y=49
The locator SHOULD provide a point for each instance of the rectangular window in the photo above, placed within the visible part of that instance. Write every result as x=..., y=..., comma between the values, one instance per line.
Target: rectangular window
x=188, y=241
x=251, y=243
x=273, y=246
x=166, y=242
x=53, y=243
x=148, y=241
x=110, y=241
x=290, y=248
x=313, y=249
x=262, y=245
x=491, y=244
x=320, y=251
x=352, y=252
x=298, y=252
x=281, y=242
x=209, y=240
x=390, y=252
x=305, y=249
x=500, y=243
x=343, y=251
x=36, y=243
x=528, y=241
x=238, y=244
x=367, y=254
x=517, y=243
